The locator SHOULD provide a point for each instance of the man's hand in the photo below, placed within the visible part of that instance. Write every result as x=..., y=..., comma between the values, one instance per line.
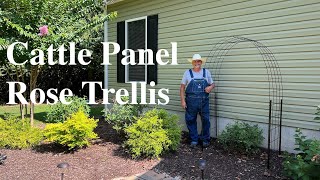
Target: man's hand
x=183, y=104
x=183, y=101
x=209, y=88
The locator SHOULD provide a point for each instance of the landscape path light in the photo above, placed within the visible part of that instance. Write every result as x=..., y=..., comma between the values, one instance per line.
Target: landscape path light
x=63, y=165
x=202, y=166
x=2, y=159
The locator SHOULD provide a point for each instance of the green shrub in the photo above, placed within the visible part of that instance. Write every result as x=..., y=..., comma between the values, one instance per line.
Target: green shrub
x=170, y=124
x=60, y=112
x=241, y=137
x=18, y=134
x=305, y=164
x=75, y=132
x=122, y=116
x=152, y=134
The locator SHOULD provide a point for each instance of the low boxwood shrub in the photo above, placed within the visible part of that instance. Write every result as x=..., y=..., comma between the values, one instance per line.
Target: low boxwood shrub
x=60, y=112
x=121, y=116
x=74, y=133
x=170, y=124
x=241, y=137
x=152, y=134
x=305, y=164
x=17, y=134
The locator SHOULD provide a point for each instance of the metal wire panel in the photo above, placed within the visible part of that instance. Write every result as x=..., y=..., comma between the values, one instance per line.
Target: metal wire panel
x=214, y=62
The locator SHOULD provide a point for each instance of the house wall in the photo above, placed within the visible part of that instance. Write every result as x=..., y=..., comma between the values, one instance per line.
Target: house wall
x=290, y=29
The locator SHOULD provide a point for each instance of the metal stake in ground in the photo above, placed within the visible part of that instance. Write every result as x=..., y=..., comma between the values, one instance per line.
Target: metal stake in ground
x=202, y=162
x=269, y=133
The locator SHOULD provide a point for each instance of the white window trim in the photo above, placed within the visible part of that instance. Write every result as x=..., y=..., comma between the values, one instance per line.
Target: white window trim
x=145, y=45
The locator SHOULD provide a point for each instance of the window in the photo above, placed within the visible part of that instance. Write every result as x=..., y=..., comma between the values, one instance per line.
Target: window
x=135, y=38
x=138, y=33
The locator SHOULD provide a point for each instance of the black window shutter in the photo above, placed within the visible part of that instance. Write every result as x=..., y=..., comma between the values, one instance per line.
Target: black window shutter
x=152, y=43
x=121, y=42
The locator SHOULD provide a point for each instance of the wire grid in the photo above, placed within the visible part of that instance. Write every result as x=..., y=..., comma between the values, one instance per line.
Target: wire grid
x=214, y=62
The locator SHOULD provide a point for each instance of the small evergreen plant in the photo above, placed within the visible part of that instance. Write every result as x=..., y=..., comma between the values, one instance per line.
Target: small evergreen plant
x=73, y=133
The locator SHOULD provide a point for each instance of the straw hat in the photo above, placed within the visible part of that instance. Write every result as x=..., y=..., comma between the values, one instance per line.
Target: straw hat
x=197, y=57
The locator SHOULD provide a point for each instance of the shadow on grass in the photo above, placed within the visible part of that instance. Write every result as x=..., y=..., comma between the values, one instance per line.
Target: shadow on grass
x=7, y=115
x=40, y=116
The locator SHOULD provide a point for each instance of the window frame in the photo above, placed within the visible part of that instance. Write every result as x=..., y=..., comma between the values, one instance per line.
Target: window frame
x=145, y=47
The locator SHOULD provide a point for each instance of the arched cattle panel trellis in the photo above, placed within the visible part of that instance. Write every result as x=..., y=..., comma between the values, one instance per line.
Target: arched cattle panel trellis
x=215, y=60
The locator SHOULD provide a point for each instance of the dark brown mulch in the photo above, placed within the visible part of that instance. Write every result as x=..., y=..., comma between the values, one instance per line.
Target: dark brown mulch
x=96, y=162
x=106, y=159
x=219, y=163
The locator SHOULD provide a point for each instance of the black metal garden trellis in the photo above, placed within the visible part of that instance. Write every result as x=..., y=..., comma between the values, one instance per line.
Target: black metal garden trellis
x=214, y=62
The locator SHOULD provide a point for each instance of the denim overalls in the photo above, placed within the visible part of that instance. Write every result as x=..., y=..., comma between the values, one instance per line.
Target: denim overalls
x=197, y=101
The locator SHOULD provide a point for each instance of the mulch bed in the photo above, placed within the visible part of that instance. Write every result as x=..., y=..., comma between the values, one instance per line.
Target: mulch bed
x=106, y=159
x=219, y=163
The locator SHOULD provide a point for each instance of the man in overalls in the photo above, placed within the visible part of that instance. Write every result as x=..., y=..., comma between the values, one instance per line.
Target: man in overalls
x=195, y=100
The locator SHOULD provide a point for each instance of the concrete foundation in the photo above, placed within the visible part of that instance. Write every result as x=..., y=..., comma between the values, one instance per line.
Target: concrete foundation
x=288, y=141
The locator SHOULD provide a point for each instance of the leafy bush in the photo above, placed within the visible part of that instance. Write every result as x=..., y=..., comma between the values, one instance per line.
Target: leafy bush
x=67, y=21
x=75, y=132
x=241, y=137
x=306, y=164
x=122, y=116
x=18, y=134
x=60, y=112
x=170, y=124
x=152, y=134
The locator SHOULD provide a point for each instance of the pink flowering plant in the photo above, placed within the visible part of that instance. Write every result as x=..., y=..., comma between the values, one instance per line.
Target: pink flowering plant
x=42, y=23
x=43, y=30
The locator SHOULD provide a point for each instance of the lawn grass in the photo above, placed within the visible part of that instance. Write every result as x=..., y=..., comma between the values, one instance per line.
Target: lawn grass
x=40, y=111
